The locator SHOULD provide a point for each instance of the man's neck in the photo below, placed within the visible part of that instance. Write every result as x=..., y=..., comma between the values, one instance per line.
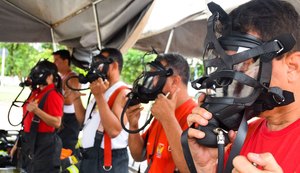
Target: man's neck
x=279, y=118
x=65, y=72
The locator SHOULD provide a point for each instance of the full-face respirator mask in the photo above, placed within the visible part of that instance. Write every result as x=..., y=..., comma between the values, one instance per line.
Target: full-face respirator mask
x=237, y=74
x=98, y=69
x=146, y=88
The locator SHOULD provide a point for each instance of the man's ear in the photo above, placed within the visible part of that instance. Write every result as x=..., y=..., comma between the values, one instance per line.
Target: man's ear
x=176, y=80
x=115, y=65
x=293, y=64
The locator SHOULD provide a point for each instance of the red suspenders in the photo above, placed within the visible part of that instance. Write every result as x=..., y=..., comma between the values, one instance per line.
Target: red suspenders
x=107, y=141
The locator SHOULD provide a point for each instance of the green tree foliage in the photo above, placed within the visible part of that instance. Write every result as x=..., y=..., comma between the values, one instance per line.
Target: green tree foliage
x=133, y=65
x=23, y=56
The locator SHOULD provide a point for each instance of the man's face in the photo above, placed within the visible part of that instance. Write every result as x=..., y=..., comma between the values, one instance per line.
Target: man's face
x=278, y=75
x=168, y=85
x=60, y=63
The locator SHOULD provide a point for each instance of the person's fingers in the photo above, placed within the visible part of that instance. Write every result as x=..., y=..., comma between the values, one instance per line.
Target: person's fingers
x=201, y=98
x=133, y=107
x=194, y=133
x=133, y=110
x=243, y=165
x=232, y=135
x=234, y=171
x=265, y=160
x=198, y=119
x=203, y=112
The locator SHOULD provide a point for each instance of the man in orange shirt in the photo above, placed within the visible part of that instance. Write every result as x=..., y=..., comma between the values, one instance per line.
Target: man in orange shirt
x=160, y=144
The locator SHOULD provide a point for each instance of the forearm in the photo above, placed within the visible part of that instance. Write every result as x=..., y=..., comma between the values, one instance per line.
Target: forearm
x=136, y=147
x=50, y=120
x=79, y=110
x=173, y=132
x=109, y=120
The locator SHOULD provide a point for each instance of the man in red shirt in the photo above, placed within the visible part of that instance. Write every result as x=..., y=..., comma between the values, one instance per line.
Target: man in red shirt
x=272, y=142
x=161, y=141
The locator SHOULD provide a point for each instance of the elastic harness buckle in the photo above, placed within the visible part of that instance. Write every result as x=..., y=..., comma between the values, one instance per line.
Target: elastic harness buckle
x=107, y=168
x=35, y=120
x=30, y=156
x=280, y=46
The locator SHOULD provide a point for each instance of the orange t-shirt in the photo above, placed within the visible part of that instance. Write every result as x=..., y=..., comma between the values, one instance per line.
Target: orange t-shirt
x=157, y=144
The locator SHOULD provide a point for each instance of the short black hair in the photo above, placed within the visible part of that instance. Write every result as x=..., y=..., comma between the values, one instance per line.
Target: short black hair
x=178, y=64
x=64, y=54
x=115, y=55
x=269, y=18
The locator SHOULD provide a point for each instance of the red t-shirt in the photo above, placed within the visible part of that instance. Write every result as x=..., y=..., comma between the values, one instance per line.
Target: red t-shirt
x=162, y=158
x=283, y=144
x=53, y=106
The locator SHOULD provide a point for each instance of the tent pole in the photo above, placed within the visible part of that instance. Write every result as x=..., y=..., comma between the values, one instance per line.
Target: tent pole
x=53, y=40
x=97, y=24
x=169, y=40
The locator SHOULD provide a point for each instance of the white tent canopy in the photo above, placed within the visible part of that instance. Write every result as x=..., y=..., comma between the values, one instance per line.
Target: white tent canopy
x=80, y=24
x=180, y=26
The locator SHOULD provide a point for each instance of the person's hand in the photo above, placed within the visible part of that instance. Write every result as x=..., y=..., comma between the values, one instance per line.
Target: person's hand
x=133, y=114
x=71, y=95
x=205, y=158
x=164, y=106
x=251, y=164
x=99, y=86
x=32, y=106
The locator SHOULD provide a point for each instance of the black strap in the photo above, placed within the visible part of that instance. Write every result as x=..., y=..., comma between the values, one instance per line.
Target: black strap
x=158, y=131
x=237, y=144
x=97, y=146
x=236, y=147
x=34, y=126
x=89, y=118
x=187, y=152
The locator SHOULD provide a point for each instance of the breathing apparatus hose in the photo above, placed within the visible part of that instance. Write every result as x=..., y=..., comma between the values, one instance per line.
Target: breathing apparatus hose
x=221, y=145
x=122, y=118
x=74, y=89
x=13, y=104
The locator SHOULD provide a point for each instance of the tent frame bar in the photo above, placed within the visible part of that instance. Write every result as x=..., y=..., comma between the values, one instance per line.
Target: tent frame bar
x=95, y=11
x=169, y=40
x=28, y=14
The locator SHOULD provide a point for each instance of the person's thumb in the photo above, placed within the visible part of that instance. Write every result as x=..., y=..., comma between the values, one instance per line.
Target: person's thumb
x=201, y=98
x=266, y=161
